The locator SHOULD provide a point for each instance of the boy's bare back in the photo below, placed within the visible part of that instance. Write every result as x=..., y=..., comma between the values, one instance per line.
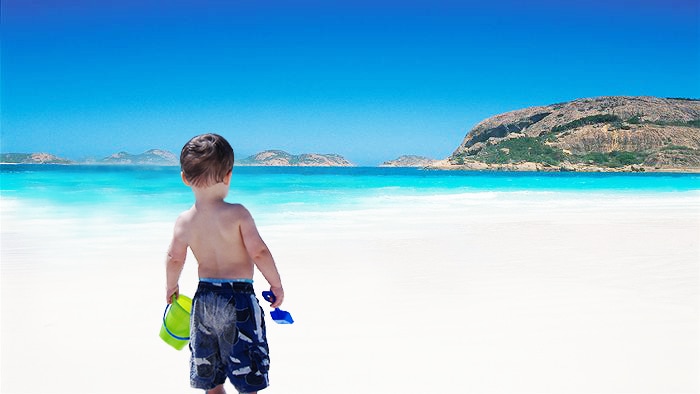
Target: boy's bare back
x=218, y=236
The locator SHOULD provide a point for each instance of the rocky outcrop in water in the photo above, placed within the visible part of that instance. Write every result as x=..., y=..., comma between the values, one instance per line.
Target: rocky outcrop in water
x=593, y=134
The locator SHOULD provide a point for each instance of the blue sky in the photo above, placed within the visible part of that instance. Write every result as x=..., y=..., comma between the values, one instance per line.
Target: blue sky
x=370, y=80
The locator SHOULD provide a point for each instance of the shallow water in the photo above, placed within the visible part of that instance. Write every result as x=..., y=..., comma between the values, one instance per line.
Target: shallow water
x=146, y=188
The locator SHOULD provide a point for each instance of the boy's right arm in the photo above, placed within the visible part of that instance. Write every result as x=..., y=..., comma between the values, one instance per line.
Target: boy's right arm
x=174, y=262
x=259, y=252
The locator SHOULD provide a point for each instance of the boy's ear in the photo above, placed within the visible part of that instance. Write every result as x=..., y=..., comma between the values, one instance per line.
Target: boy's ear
x=184, y=180
x=227, y=178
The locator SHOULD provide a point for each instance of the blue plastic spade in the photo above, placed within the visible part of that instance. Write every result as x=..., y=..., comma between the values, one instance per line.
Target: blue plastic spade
x=278, y=315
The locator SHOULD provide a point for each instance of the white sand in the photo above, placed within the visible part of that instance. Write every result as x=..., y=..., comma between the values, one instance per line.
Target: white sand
x=483, y=293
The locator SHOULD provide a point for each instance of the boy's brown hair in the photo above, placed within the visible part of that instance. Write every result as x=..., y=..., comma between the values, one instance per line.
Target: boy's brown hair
x=206, y=160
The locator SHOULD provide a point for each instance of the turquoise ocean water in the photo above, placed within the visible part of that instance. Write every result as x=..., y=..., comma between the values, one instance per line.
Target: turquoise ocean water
x=129, y=190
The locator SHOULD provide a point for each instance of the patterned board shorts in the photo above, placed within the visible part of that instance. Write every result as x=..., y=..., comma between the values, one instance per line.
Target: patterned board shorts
x=227, y=337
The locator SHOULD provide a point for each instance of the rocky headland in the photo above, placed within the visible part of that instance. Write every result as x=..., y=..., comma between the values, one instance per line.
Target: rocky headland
x=592, y=134
x=284, y=159
x=409, y=161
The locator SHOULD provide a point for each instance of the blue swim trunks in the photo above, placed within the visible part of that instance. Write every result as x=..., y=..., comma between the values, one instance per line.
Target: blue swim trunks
x=227, y=337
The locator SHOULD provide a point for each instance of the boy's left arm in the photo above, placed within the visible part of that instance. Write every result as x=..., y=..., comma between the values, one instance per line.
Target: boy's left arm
x=261, y=256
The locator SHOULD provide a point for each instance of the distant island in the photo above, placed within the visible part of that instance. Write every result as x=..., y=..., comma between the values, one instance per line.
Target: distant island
x=591, y=134
x=150, y=157
x=409, y=161
x=284, y=159
x=32, y=158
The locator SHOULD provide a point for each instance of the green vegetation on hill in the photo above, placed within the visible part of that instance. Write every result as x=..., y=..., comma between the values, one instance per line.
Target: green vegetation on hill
x=695, y=123
x=617, y=122
x=612, y=159
x=691, y=123
x=678, y=148
x=587, y=120
x=530, y=149
x=521, y=149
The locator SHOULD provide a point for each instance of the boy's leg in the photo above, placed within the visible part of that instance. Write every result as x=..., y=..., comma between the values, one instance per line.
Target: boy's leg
x=249, y=358
x=216, y=390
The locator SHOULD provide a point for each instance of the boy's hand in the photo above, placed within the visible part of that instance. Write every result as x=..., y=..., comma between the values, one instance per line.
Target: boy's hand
x=169, y=293
x=279, y=296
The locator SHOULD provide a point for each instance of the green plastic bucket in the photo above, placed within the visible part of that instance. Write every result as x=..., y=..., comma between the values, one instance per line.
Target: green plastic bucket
x=175, y=330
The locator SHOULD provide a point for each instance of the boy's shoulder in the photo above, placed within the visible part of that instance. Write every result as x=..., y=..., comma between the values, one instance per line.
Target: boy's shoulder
x=235, y=214
x=236, y=210
x=236, y=207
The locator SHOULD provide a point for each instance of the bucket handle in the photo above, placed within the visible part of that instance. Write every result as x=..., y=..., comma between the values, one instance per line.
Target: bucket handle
x=170, y=332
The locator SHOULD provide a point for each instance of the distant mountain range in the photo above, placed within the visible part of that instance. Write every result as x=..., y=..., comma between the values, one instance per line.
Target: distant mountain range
x=165, y=158
x=150, y=157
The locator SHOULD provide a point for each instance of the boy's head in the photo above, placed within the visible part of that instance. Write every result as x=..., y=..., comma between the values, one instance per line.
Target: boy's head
x=206, y=160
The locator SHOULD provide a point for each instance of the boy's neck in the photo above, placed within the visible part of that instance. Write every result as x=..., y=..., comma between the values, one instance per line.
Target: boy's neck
x=213, y=194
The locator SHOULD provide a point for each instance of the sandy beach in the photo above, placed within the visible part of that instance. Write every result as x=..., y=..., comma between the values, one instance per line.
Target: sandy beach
x=500, y=292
